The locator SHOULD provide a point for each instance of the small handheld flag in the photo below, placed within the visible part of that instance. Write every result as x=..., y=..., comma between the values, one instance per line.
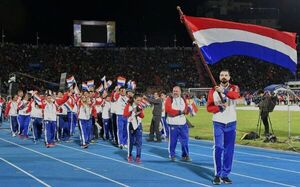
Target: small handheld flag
x=37, y=99
x=192, y=109
x=100, y=89
x=108, y=84
x=103, y=79
x=145, y=103
x=90, y=83
x=84, y=86
x=129, y=85
x=121, y=81
x=71, y=80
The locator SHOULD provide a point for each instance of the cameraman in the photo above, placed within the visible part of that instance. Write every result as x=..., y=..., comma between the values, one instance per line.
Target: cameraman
x=266, y=105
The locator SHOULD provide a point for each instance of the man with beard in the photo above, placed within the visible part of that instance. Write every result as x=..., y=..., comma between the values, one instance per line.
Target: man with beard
x=224, y=123
x=176, y=109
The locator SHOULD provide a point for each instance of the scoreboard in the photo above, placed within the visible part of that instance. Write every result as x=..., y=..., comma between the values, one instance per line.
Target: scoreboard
x=94, y=33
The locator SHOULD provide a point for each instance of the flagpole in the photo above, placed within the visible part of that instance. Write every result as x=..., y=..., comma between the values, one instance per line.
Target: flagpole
x=198, y=50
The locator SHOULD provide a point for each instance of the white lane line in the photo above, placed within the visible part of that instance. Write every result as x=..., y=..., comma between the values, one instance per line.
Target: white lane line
x=251, y=154
x=20, y=169
x=248, y=163
x=237, y=161
x=138, y=166
x=243, y=146
x=67, y=163
x=246, y=176
x=247, y=146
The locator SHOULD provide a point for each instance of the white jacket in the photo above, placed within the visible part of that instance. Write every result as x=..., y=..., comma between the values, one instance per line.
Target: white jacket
x=50, y=112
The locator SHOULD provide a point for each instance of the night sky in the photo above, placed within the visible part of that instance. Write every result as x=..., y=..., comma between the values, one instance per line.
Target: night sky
x=158, y=19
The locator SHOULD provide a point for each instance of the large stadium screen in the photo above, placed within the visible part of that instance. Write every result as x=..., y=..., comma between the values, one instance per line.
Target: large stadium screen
x=94, y=33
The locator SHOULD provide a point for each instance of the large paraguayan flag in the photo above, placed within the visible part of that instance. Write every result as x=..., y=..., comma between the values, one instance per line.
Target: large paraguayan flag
x=219, y=39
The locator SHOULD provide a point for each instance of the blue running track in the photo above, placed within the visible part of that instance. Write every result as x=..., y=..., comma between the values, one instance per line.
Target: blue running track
x=23, y=163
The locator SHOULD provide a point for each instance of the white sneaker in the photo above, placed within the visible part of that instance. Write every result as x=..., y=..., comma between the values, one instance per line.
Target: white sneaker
x=14, y=134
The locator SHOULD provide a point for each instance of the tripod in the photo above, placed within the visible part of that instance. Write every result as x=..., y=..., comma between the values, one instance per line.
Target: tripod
x=258, y=126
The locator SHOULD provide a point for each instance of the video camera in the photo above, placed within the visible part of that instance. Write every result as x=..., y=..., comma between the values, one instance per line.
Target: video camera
x=257, y=99
x=266, y=101
x=270, y=138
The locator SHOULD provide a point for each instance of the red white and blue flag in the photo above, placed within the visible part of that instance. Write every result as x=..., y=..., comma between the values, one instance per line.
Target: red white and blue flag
x=100, y=89
x=70, y=81
x=84, y=86
x=144, y=103
x=108, y=84
x=131, y=85
x=90, y=83
x=218, y=39
x=121, y=81
x=192, y=109
x=37, y=99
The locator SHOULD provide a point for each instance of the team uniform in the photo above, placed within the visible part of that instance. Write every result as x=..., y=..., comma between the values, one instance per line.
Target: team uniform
x=50, y=117
x=63, y=128
x=224, y=124
x=36, y=121
x=134, y=128
x=178, y=127
x=11, y=111
x=120, y=103
x=114, y=121
x=72, y=108
x=106, y=115
x=98, y=127
x=1, y=109
x=86, y=111
x=24, y=109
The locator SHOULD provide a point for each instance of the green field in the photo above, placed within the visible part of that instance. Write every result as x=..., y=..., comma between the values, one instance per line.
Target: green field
x=247, y=121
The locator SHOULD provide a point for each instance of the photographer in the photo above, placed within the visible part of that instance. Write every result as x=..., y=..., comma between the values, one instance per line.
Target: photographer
x=266, y=103
x=157, y=113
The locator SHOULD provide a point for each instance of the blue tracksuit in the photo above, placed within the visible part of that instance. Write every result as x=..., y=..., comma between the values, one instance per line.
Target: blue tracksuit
x=91, y=129
x=37, y=128
x=180, y=132
x=1, y=115
x=107, y=129
x=63, y=130
x=23, y=121
x=122, y=129
x=72, y=120
x=135, y=138
x=13, y=124
x=50, y=130
x=85, y=128
x=224, y=137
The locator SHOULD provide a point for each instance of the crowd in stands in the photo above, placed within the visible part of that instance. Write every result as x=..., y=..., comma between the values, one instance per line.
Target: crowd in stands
x=151, y=67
